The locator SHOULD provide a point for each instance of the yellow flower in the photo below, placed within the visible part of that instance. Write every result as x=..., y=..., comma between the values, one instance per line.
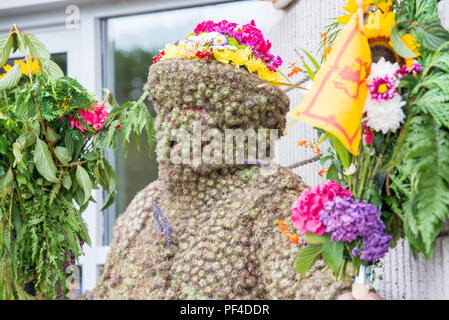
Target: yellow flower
x=351, y=7
x=265, y=74
x=253, y=65
x=33, y=67
x=413, y=45
x=241, y=56
x=379, y=25
x=223, y=55
x=29, y=66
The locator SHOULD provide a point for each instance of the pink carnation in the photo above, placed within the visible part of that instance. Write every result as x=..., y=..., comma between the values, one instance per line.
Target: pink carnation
x=306, y=209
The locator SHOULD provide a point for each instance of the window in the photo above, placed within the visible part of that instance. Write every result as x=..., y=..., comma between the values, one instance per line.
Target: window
x=129, y=45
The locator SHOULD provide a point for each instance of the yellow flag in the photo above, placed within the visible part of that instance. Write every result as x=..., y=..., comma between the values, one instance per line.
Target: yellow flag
x=337, y=98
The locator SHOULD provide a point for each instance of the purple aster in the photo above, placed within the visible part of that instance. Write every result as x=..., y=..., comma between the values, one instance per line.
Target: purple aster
x=220, y=41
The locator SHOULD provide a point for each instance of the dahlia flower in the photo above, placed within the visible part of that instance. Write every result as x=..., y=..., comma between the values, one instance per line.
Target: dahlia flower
x=386, y=115
x=306, y=209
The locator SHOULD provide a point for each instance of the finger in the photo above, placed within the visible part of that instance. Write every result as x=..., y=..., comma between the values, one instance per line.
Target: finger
x=371, y=296
x=346, y=296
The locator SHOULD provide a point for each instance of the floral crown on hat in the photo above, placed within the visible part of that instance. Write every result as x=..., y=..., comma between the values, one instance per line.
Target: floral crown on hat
x=225, y=42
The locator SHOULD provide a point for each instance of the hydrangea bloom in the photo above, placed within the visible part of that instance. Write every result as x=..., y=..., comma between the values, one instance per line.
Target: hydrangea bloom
x=306, y=209
x=347, y=220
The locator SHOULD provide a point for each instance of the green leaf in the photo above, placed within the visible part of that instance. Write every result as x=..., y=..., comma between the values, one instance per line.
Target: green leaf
x=333, y=254
x=82, y=177
x=44, y=161
x=307, y=257
x=63, y=154
x=11, y=78
x=4, y=145
x=52, y=69
x=313, y=238
x=314, y=62
x=6, y=44
x=6, y=180
x=52, y=135
x=110, y=201
x=399, y=46
x=432, y=34
x=67, y=181
x=37, y=48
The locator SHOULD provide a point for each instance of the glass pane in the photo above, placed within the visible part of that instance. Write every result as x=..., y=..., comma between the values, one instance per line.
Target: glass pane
x=131, y=42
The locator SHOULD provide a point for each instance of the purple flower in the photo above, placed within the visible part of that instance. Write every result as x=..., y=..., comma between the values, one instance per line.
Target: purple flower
x=347, y=220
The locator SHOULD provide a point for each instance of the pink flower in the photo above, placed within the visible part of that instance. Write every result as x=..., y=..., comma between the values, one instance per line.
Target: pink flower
x=95, y=117
x=413, y=70
x=383, y=88
x=306, y=209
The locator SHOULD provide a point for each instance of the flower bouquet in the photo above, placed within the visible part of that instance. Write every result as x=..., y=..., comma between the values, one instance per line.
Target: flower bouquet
x=53, y=134
x=386, y=66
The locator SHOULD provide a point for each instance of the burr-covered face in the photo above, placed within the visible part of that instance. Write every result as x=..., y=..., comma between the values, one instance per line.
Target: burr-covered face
x=202, y=105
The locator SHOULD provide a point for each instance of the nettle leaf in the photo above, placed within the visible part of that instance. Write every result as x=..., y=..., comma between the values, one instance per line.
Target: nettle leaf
x=432, y=34
x=6, y=44
x=37, y=48
x=307, y=257
x=11, y=78
x=82, y=177
x=52, y=135
x=333, y=254
x=313, y=238
x=52, y=69
x=67, y=181
x=63, y=154
x=44, y=161
x=399, y=46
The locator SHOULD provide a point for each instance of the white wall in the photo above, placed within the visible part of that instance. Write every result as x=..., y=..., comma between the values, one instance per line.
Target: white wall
x=403, y=277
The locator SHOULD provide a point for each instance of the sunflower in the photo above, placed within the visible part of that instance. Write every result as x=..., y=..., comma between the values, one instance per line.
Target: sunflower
x=378, y=32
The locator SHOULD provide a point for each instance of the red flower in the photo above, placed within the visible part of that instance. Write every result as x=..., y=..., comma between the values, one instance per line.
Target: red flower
x=158, y=57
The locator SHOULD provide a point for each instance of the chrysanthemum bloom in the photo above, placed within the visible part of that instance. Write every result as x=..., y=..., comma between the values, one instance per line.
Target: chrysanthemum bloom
x=306, y=209
x=386, y=115
x=382, y=81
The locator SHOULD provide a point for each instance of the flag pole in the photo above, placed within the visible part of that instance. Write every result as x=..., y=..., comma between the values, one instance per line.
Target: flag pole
x=361, y=284
x=361, y=13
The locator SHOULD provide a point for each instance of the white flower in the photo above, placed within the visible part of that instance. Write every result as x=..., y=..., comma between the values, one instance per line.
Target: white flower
x=385, y=115
x=350, y=171
x=382, y=68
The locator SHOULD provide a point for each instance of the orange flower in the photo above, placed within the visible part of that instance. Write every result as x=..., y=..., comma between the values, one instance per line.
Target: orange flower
x=309, y=144
x=327, y=51
x=322, y=172
x=294, y=69
x=324, y=36
x=282, y=227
